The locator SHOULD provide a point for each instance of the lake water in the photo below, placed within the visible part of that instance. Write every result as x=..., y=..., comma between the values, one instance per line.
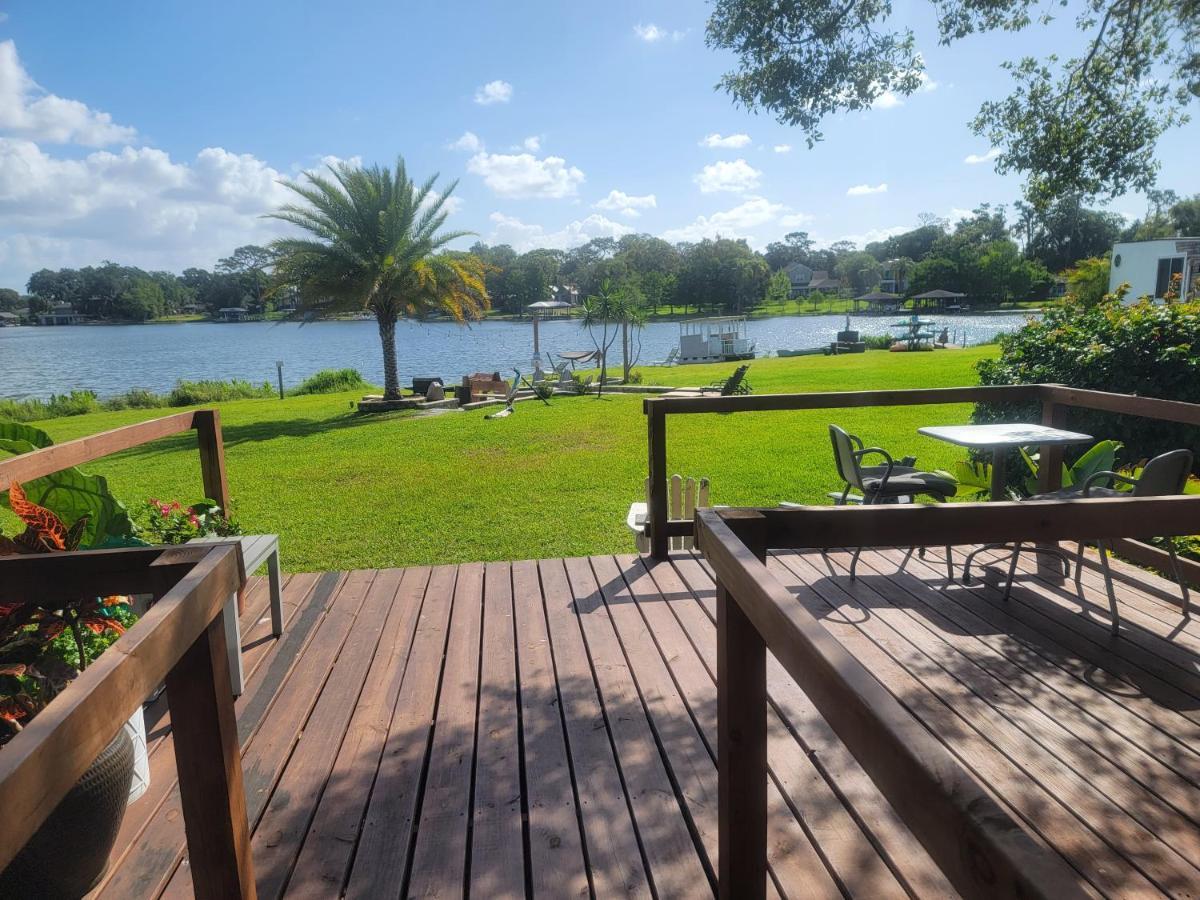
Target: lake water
x=111, y=359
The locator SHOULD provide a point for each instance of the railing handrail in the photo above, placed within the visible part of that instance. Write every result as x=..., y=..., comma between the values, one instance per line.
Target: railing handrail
x=205, y=422
x=180, y=639
x=976, y=843
x=1054, y=398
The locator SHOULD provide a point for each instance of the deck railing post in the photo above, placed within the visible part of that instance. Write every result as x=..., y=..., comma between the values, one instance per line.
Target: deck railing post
x=1050, y=457
x=209, y=763
x=741, y=743
x=656, y=436
x=212, y=456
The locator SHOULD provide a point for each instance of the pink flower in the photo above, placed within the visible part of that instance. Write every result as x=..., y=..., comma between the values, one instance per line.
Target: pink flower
x=195, y=521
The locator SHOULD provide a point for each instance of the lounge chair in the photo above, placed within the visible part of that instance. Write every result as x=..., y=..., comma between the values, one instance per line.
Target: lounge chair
x=734, y=384
x=1163, y=476
x=670, y=360
x=886, y=483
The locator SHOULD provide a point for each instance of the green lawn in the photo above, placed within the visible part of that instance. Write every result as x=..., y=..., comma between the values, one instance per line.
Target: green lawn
x=349, y=491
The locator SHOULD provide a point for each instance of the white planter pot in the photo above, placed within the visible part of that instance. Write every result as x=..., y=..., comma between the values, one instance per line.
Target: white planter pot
x=136, y=729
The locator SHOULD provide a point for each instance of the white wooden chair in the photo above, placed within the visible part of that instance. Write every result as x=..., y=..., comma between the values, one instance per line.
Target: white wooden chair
x=683, y=499
x=256, y=550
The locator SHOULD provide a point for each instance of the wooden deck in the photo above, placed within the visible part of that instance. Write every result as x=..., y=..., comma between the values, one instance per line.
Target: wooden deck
x=549, y=728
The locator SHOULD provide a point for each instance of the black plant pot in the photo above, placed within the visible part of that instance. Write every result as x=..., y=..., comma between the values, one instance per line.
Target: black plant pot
x=68, y=855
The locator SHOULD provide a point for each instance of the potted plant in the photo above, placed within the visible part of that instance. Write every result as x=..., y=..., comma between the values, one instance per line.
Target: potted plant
x=43, y=647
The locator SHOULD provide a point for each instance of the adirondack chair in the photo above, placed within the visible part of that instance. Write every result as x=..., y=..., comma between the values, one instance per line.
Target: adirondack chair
x=670, y=360
x=509, y=398
x=684, y=498
x=734, y=384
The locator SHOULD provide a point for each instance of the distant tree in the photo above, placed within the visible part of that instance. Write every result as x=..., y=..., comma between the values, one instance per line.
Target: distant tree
x=376, y=237
x=1087, y=125
x=1066, y=231
x=934, y=273
x=1087, y=280
x=723, y=275
x=779, y=289
x=141, y=300
x=859, y=271
x=9, y=300
x=796, y=246
x=1185, y=216
x=914, y=244
x=609, y=311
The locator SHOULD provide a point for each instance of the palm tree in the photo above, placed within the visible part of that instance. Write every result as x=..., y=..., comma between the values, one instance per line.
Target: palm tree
x=375, y=246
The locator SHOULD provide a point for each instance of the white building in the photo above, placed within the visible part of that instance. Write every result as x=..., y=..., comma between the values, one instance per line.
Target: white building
x=1148, y=266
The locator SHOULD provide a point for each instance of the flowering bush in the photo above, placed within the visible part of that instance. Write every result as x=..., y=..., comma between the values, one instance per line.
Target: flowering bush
x=170, y=522
x=43, y=647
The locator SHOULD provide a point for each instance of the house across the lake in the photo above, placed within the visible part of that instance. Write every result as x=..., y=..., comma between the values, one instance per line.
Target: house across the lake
x=893, y=278
x=805, y=280
x=1148, y=267
x=59, y=314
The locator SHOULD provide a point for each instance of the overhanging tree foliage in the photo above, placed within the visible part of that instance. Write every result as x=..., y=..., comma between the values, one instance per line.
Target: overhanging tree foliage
x=1086, y=125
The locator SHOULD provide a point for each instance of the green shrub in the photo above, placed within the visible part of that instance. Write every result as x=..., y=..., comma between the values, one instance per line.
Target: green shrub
x=76, y=403
x=1146, y=348
x=137, y=398
x=331, y=381
x=190, y=393
x=878, y=341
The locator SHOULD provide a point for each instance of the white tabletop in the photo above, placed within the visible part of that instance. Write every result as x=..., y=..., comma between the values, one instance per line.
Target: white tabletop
x=1002, y=435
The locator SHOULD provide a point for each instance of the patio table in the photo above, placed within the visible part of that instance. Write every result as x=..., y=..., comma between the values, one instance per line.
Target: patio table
x=1001, y=438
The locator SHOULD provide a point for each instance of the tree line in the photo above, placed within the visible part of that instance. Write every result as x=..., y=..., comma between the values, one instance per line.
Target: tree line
x=992, y=256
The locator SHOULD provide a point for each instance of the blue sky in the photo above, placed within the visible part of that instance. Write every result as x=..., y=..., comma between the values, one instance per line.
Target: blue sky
x=155, y=133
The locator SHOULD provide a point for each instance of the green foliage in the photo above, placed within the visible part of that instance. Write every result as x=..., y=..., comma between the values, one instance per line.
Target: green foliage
x=170, y=522
x=779, y=289
x=75, y=403
x=1100, y=457
x=331, y=381
x=1084, y=126
x=375, y=243
x=859, y=270
x=192, y=393
x=1145, y=348
x=878, y=341
x=1087, y=280
x=70, y=493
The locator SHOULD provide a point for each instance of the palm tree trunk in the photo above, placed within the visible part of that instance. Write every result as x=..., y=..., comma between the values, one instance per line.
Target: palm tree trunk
x=387, y=336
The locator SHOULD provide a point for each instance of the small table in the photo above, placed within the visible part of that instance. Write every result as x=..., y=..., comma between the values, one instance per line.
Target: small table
x=1000, y=439
x=256, y=550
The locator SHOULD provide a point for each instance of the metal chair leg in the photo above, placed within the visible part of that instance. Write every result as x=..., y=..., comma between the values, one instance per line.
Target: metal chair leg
x=1079, y=574
x=1012, y=570
x=854, y=562
x=1187, y=597
x=1115, y=626
x=949, y=563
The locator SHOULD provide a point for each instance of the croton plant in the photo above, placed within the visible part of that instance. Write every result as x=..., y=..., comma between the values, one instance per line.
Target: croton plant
x=43, y=647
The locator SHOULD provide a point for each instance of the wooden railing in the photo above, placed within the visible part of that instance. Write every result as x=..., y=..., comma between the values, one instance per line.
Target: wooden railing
x=1055, y=400
x=979, y=846
x=180, y=640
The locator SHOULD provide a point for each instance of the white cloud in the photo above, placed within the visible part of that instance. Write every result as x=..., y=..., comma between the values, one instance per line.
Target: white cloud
x=738, y=175
x=137, y=206
x=652, y=34
x=524, y=236
x=524, y=175
x=533, y=143
x=494, y=92
x=468, y=142
x=450, y=207
x=862, y=190
x=795, y=219
x=733, y=141
x=730, y=223
x=27, y=110
x=975, y=159
x=626, y=204
x=783, y=148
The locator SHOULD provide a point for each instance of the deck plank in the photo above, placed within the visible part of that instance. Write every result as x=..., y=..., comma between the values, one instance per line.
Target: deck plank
x=674, y=858
x=381, y=861
x=323, y=862
x=557, y=866
x=616, y=859
x=440, y=858
x=497, y=839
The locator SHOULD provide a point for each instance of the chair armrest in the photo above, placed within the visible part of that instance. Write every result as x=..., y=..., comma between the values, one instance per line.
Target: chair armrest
x=859, y=454
x=1106, y=476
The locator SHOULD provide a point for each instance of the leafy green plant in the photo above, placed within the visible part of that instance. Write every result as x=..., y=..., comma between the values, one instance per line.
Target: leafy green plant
x=331, y=381
x=42, y=646
x=1100, y=457
x=1145, y=348
x=71, y=494
x=192, y=393
x=170, y=522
